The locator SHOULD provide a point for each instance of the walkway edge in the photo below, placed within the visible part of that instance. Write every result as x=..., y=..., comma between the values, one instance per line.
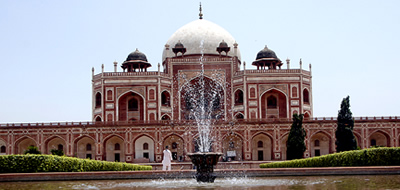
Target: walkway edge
x=156, y=174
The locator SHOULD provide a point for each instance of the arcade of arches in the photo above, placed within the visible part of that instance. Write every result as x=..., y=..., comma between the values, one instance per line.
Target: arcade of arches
x=134, y=143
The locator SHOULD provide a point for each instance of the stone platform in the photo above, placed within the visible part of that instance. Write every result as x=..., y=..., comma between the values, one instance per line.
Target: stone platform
x=185, y=173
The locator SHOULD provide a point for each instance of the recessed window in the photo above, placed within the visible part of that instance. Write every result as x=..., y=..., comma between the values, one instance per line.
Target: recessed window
x=145, y=146
x=133, y=105
x=98, y=100
x=239, y=97
x=174, y=145
x=316, y=143
x=239, y=116
x=3, y=149
x=260, y=144
x=272, y=102
x=88, y=147
x=60, y=147
x=165, y=117
x=306, y=96
x=117, y=146
x=165, y=99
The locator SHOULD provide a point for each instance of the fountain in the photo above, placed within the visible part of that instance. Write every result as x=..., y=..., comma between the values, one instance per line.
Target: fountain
x=203, y=106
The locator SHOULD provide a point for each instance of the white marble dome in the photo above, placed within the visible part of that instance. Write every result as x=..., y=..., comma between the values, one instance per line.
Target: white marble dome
x=194, y=33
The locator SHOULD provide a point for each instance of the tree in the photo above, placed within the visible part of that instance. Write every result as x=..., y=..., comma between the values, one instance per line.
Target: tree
x=32, y=150
x=295, y=144
x=345, y=139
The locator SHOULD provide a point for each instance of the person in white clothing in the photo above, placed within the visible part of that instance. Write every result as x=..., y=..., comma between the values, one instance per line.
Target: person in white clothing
x=167, y=159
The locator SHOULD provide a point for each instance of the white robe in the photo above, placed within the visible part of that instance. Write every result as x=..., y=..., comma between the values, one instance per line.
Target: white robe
x=167, y=159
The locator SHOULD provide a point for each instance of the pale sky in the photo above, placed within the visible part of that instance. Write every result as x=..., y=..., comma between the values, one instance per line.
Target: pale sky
x=48, y=48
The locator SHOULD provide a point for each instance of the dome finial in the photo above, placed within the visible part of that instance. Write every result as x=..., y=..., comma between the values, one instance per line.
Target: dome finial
x=200, y=14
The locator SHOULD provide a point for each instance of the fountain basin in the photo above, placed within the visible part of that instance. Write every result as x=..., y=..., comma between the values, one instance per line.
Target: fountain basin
x=205, y=162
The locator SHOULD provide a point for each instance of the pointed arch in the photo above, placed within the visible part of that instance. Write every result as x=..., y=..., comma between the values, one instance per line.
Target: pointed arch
x=114, y=148
x=274, y=104
x=98, y=119
x=165, y=117
x=23, y=143
x=53, y=142
x=130, y=106
x=3, y=147
x=166, y=98
x=239, y=97
x=232, y=146
x=320, y=143
x=214, y=98
x=307, y=115
x=379, y=138
x=98, y=100
x=85, y=147
x=140, y=147
x=262, y=146
x=239, y=116
x=176, y=145
x=306, y=96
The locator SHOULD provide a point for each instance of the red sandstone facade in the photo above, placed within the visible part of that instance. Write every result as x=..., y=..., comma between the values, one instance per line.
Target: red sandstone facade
x=74, y=138
x=138, y=112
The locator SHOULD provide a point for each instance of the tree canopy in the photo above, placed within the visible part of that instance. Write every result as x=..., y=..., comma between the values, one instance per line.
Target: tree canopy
x=345, y=139
x=295, y=144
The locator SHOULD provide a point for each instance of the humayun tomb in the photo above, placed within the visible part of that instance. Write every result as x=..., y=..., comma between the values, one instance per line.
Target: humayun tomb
x=136, y=112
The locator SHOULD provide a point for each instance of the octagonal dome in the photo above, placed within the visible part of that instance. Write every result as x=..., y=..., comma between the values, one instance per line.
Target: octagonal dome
x=200, y=36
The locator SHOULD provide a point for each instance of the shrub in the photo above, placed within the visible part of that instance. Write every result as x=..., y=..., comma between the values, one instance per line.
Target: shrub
x=57, y=152
x=52, y=163
x=32, y=150
x=387, y=156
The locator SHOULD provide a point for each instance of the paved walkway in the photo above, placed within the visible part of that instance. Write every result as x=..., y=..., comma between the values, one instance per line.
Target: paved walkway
x=156, y=174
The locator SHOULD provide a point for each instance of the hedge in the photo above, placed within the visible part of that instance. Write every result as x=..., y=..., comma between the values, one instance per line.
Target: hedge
x=387, y=156
x=51, y=163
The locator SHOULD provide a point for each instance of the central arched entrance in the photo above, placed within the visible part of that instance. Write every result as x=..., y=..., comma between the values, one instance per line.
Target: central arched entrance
x=130, y=107
x=273, y=104
x=202, y=93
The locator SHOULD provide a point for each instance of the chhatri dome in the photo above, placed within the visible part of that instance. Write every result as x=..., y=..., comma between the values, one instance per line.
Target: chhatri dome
x=200, y=37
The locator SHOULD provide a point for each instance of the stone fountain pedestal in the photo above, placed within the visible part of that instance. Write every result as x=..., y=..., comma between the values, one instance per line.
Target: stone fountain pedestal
x=205, y=162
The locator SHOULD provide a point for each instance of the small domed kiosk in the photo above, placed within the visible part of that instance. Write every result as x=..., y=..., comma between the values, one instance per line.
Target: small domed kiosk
x=136, y=62
x=267, y=59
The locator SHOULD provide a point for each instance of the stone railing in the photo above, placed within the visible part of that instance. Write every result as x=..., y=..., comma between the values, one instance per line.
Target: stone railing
x=298, y=71
x=129, y=74
x=185, y=122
